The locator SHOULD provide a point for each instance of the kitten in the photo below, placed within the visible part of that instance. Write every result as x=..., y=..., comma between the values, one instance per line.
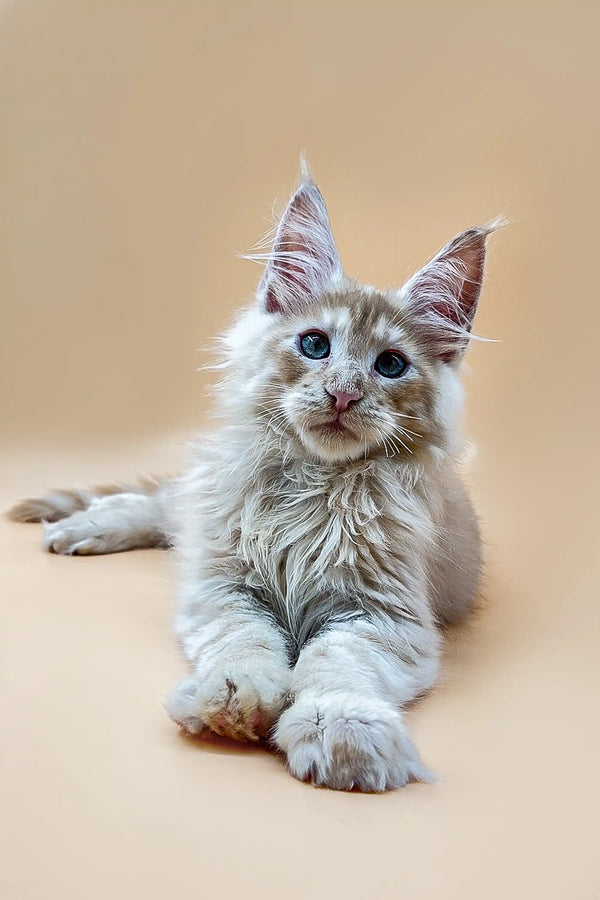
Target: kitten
x=323, y=534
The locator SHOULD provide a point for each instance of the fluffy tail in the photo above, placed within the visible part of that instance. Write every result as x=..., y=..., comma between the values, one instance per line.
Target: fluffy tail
x=60, y=504
x=106, y=519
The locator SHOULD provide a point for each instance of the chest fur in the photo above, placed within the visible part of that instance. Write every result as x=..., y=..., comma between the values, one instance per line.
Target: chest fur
x=306, y=535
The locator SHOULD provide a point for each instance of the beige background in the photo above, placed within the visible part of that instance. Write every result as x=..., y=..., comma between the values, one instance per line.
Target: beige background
x=142, y=144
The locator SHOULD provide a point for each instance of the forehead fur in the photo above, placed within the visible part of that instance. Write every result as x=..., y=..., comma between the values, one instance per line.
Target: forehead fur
x=362, y=310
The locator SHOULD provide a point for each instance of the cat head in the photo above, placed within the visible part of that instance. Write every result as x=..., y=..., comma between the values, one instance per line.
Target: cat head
x=342, y=370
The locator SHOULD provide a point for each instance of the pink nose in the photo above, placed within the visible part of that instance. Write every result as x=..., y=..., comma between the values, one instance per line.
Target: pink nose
x=343, y=399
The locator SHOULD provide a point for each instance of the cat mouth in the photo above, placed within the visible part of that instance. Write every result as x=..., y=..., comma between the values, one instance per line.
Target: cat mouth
x=333, y=427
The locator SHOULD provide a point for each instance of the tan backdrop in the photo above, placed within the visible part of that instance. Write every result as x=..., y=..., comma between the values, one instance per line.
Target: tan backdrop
x=142, y=145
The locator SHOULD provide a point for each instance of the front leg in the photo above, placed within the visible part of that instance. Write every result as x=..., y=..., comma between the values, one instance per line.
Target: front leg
x=241, y=674
x=345, y=728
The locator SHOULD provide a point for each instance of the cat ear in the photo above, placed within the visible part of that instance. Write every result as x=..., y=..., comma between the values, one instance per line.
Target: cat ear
x=443, y=295
x=304, y=258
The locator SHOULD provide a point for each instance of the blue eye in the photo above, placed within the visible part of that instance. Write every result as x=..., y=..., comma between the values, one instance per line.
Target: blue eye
x=391, y=364
x=315, y=345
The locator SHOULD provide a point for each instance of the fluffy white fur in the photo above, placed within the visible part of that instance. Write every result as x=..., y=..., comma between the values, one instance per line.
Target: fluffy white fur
x=317, y=558
x=108, y=525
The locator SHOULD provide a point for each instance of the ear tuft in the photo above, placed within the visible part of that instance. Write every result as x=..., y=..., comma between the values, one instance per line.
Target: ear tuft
x=305, y=173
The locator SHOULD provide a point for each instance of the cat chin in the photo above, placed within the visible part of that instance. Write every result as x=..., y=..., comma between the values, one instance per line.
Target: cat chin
x=333, y=448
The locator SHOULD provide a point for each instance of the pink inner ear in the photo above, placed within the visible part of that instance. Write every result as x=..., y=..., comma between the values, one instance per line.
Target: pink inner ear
x=293, y=251
x=285, y=267
x=472, y=258
x=304, y=255
x=445, y=292
x=272, y=304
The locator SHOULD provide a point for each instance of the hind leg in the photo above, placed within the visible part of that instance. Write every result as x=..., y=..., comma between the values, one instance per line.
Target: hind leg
x=110, y=525
x=455, y=573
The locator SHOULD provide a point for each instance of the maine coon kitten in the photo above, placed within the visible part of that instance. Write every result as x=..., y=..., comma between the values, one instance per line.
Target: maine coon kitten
x=322, y=534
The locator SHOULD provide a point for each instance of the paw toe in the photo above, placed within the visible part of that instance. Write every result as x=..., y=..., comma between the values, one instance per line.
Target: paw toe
x=343, y=742
x=181, y=707
x=235, y=706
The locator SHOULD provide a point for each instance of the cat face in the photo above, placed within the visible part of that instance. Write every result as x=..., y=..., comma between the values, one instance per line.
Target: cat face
x=344, y=370
x=348, y=377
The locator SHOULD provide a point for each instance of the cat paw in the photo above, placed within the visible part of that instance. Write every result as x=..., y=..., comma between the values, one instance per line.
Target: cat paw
x=238, y=704
x=108, y=525
x=344, y=741
x=77, y=535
